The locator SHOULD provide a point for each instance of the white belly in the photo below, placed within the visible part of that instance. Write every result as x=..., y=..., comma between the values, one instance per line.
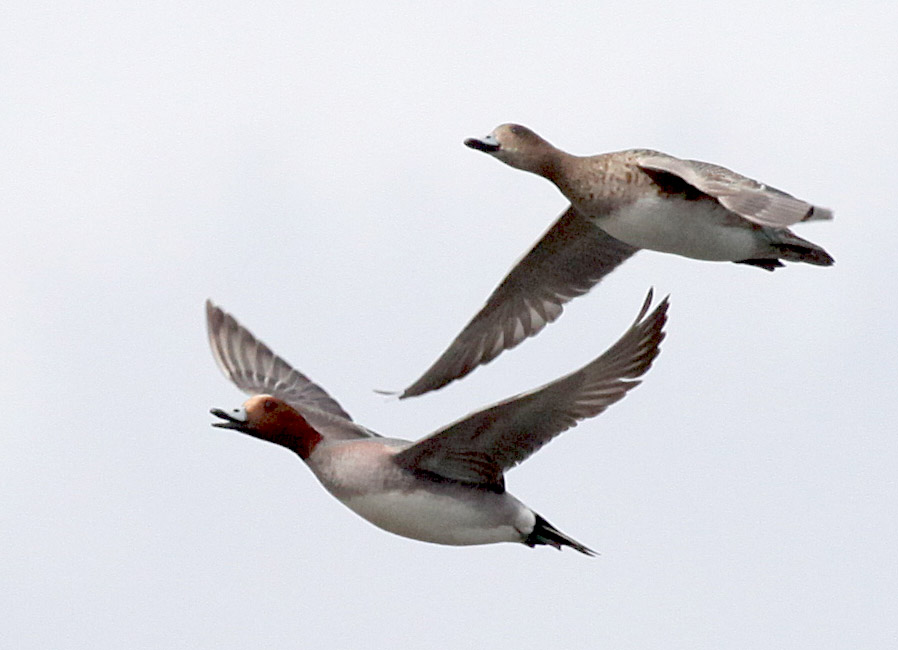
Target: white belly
x=441, y=518
x=700, y=230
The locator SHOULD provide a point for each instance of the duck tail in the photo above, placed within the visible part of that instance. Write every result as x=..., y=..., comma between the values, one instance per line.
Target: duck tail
x=793, y=248
x=786, y=245
x=545, y=533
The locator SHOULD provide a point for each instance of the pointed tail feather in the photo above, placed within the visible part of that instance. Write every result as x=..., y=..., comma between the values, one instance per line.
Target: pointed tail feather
x=545, y=533
x=815, y=255
x=792, y=248
x=808, y=253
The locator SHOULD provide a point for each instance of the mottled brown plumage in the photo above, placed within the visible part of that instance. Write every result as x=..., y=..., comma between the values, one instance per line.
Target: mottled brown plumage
x=620, y=202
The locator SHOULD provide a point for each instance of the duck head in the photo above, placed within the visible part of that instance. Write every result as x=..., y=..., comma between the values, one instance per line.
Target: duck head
x=272, y=419
x=519, y=147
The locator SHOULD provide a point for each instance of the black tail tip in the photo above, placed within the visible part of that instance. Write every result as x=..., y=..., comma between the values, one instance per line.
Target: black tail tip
x=544, y=533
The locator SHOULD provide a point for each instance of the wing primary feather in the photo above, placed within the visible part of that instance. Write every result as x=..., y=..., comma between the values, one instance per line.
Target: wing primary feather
x=255, y=369
x=510, y=431
x=569, y=259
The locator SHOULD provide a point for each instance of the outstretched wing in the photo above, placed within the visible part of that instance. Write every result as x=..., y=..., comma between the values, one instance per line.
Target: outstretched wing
x=569, y=259
x=478, y=448
x=256, y=370
x=759, y=203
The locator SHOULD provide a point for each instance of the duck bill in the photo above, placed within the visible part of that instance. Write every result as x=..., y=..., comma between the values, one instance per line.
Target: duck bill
x=489, y=144
x=235, y=419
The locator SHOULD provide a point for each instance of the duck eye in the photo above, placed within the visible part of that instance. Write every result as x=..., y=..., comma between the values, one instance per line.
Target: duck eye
x=518, y=130
x=269, y=405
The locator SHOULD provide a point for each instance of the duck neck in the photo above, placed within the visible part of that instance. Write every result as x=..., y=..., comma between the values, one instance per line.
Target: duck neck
x=573, y=177
x=555, y=166
x=298, y=437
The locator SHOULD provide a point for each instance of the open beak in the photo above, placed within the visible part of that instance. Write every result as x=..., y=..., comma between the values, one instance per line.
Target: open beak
x=489, y=144
x=234, y=419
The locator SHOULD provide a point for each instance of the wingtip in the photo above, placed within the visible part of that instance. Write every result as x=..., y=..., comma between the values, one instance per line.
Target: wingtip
x=412, y=391
x=212, y=309
x=215, y=318
x=422, y=388
x=662, y=306
x=816, y=213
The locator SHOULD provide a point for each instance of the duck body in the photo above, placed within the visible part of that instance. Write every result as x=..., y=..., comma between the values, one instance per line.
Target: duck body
x=364, y=477
x=448, y=487
x=655, y=201
x=620, y=203
x=637, y=210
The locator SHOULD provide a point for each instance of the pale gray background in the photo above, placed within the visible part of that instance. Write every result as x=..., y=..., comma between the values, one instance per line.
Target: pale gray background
x=302, y=165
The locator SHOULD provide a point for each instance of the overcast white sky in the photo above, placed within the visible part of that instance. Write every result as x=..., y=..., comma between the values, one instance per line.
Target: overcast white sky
x=302, y=164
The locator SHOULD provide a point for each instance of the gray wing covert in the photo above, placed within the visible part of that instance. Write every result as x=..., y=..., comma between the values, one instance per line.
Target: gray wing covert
x=754, y=201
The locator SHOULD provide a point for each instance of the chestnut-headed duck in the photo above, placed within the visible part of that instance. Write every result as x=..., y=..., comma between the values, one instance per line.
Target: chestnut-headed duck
x=619, y=203
x=449, y=487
